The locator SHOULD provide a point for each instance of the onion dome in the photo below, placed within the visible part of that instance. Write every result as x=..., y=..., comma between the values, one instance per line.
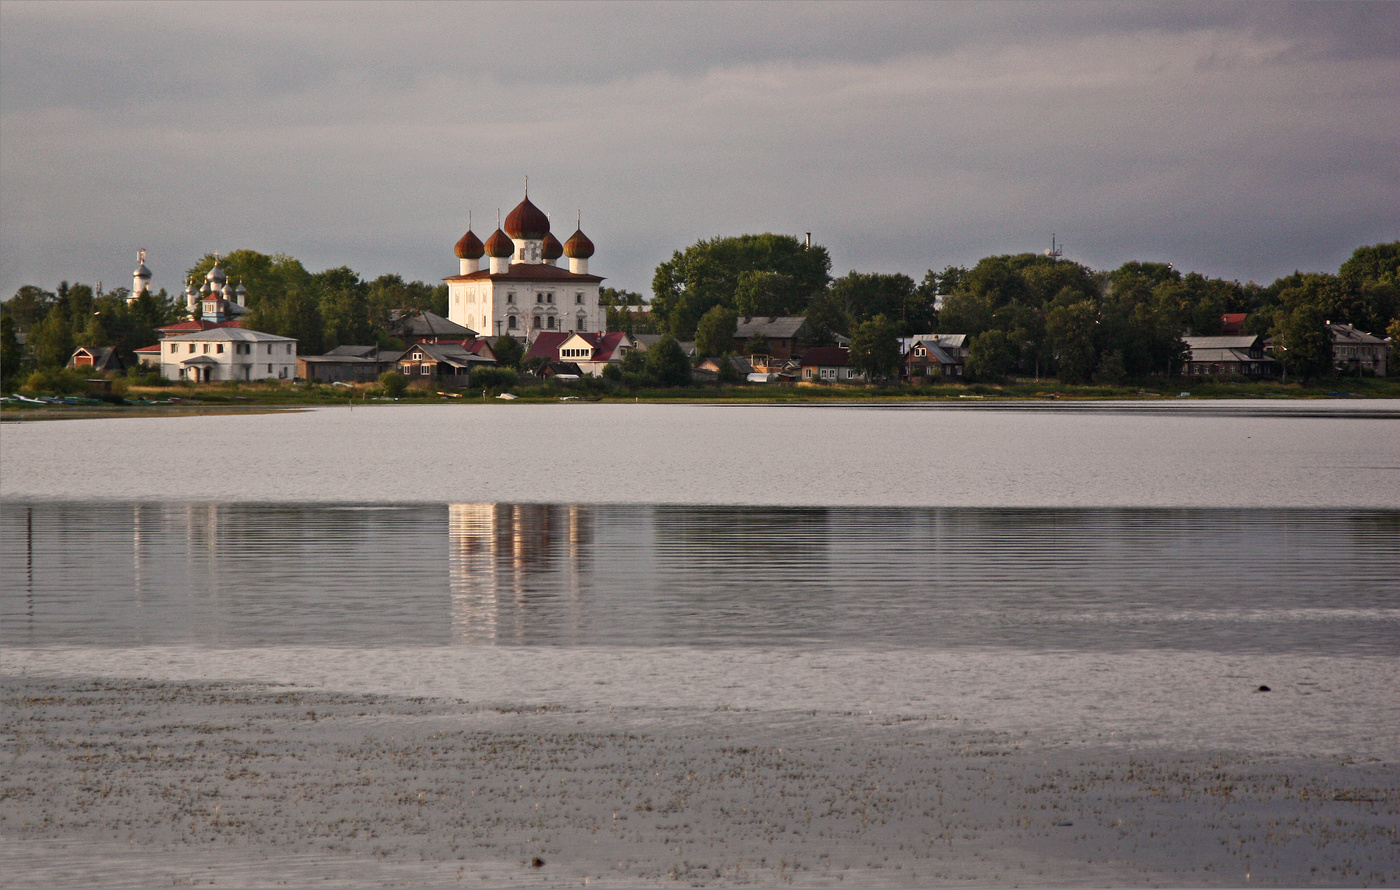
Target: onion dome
x=228, y=292
x=142, y=272
x=205, y=290
x=578, y=247
x=499, y=245
x=470, y=247
x=241, y=291
x=527, y=222
x=216, y=275
x=552, y=249
x=189, y=288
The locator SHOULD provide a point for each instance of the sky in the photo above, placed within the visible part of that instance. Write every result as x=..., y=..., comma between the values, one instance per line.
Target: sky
x=1240, y=140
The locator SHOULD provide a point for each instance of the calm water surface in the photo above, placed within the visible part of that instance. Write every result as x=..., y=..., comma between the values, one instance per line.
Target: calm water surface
x=238, y=575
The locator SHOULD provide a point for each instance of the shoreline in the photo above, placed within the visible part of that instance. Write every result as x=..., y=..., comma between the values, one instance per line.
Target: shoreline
x=138, y=782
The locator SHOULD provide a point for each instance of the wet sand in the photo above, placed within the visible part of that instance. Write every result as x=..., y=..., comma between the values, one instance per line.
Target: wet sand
x=120, y=781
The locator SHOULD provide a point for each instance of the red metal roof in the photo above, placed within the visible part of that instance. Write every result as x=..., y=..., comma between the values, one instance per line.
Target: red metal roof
x=470, y=247
x=546, y=345
x=827, y=356
x=527, y=221
x=578, y=246
x=525, y=272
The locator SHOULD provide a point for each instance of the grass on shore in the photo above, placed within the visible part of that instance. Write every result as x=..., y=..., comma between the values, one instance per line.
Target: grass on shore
x=229, y=397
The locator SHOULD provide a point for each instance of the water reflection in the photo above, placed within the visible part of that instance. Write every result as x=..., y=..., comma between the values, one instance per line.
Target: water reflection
x=505, y=574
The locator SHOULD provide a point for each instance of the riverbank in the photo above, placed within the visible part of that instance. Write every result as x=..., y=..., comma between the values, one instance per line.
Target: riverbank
x=224, y=398
x=122, y=781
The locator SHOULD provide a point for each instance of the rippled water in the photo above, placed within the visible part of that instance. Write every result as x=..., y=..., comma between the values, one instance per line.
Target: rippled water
x=230, y=575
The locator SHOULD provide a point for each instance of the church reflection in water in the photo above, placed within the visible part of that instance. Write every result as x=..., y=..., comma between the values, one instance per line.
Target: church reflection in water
x=517, y=572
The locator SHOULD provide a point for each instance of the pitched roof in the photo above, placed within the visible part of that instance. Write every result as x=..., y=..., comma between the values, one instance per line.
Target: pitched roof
x=230, y=332
x=934, y=351
x=1224, y=354
x=1345, y=333
x=354, y=351
x=546, y=345
x=828, y=356
x=542, y=272
x=196, y=324
x=778, y=326
x=427, y=324
x=1230, y=341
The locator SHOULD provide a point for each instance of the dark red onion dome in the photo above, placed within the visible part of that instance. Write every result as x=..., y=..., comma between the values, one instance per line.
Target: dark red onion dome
x=552, y=250
x=499, y=245
x=527, y=222
x=578, y=247
x=470, y=247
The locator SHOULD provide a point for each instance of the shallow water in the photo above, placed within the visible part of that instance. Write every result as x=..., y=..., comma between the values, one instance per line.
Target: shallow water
x=1176, y=453
x=1093, y=580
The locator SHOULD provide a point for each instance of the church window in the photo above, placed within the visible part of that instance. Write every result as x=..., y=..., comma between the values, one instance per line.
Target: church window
x=537, y=322
x=578, y=298
x=539, y=298
x=510, y=322
x=550, y=325
x=549, y=298
x=510, y=298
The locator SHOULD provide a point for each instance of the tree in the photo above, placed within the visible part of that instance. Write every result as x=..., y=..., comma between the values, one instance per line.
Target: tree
x=991, y=355
x=1071, y=331
x=761, y=292
x=875, y=348
x=666, y=362
x=707, y=274
x=714, y=335
x=393, y=383
x=28, y=306
x=11, y=354
x=826, y=319
x=865, y=295
x=51, y=339
x=1110, y=369
x=1302, y=343
x=508, y=351
x=344, y=305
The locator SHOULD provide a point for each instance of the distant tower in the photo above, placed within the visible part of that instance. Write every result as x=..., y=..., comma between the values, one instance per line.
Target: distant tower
x=141, y=278
x=1054, y=253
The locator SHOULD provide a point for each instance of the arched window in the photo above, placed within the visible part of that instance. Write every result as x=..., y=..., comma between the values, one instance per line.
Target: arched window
x=537, y=322
x=510, y=322
x=510, y=299
x=550, y=324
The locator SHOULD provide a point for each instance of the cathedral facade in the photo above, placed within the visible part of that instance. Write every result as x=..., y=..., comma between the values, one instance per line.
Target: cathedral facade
x=512, y=283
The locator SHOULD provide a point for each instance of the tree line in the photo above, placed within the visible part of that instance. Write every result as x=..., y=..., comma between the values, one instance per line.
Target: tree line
x=1025, y=314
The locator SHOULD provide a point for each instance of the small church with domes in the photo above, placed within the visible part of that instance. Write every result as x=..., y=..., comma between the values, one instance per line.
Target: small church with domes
x=511, y=284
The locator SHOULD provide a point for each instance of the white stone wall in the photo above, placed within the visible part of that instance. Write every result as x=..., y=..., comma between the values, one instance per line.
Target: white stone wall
x=233, y=360
x=485, y=307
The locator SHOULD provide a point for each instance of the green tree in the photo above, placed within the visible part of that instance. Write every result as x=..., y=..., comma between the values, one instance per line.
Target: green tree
x=666, y=362
x=992, y=355
x=714, y=335
x=11, y=354
x=344, y=305
x=1302, y=343
x=393, y=383
x=864, y=295
x=28, y=306
x=51, y=339
x=826, y=319
x=875, y=348
x=761, y=292
x=509, y=352
x=1111, y=369
x=707, y=274
x=1071, y=332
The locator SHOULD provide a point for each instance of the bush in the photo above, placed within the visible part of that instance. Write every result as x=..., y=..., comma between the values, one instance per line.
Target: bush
x=56, y=381
x=393, y=384
x=494, y=378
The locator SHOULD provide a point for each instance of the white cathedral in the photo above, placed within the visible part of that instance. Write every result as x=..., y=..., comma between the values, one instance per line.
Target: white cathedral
x=522, y=291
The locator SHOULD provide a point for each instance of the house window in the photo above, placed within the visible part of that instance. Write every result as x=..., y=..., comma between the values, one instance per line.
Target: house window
x=174, y=348
x=191, y=349
x=206, y=348
x=289, y=349
x=269, y=368
x=219, y=348
x=425, y=369
x=417, y=356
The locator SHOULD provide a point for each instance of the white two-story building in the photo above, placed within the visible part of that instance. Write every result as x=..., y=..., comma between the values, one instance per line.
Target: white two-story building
x=228, y=354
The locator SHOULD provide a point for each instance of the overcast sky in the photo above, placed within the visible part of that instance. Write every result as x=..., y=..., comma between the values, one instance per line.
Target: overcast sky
x=1240, y=140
